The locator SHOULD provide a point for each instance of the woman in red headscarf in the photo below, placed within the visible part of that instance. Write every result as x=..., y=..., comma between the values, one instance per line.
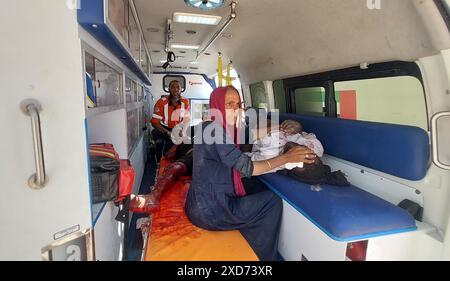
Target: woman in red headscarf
x=218, y=199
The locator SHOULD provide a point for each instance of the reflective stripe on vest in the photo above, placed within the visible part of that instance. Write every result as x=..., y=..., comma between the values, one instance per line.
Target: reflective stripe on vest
x=183, y=109
x=166, y=115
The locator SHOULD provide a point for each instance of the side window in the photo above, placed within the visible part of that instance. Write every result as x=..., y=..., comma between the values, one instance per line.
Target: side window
x=279, y=95
x=396, y=100
x=169, y=78
x=259, y=96
x=310, y=101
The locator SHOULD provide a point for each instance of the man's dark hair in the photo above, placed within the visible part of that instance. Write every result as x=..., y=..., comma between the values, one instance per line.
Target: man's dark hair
x=170, y=83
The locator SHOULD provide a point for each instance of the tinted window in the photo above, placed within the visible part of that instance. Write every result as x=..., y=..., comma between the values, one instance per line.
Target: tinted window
x=396, y=100
x=310, y=101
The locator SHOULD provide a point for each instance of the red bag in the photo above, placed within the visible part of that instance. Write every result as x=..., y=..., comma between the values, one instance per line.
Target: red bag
x=103, y=149
x=126, y=172
x=126, y=179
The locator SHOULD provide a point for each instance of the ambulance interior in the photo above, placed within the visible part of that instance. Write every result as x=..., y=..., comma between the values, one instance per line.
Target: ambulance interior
x=371, y=79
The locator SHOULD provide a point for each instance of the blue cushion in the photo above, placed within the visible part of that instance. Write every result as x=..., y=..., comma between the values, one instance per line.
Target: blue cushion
x=398, y=150
x=343, y=213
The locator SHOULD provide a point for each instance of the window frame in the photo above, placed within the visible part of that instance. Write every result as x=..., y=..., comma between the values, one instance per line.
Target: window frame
x=327, y=80
x=444, y=9
x=174, y=76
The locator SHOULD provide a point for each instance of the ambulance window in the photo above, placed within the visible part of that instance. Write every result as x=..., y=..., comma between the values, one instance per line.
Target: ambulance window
x=310, y=101
x=280, y=96
x=169, y=78
x=395, y=100
x=259, y=96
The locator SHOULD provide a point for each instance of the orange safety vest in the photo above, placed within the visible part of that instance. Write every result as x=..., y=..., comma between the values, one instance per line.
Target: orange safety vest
x=169, y=115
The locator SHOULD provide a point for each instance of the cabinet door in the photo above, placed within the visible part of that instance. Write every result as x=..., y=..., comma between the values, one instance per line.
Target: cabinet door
x=108, y=85
x=135, y=38
x=51, y=72
x=109, y=233
x=118, y=17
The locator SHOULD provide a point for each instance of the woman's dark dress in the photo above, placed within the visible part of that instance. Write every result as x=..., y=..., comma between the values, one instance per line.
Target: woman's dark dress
x=212, y=204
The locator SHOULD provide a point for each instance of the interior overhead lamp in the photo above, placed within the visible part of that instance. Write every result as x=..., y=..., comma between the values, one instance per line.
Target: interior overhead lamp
x=205, y=4
x=184, y=46
x=196, y=19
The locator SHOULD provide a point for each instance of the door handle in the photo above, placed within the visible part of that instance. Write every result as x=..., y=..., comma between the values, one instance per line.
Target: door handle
x=32, y=108
x=434, y=138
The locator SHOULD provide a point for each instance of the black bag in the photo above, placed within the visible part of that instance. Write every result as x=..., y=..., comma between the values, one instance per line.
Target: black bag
x=317, y=174
x=105, y=178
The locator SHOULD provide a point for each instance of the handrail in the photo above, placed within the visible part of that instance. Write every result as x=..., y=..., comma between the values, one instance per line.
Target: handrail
x=32, y=108
x=231, y=18
x=434, y=138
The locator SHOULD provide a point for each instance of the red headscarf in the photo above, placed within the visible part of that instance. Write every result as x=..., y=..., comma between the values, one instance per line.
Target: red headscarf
x=217, y=102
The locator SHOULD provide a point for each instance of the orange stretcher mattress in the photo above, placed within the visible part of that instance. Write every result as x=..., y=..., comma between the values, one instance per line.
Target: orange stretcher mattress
x=174, y=238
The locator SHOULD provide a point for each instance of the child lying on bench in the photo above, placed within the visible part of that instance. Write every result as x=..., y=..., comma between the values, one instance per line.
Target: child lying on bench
x=276, y=142
x=272, y=145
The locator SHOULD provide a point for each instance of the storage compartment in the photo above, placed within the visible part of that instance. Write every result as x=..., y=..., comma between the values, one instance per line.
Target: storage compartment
x=135, y=38
x=133, y=129
x=106, y=83
x=118, y=16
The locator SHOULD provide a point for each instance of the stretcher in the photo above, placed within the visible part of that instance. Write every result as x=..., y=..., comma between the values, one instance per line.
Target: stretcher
x=174, y=238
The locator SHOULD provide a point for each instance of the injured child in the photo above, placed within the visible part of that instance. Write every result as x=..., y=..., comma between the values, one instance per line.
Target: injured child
x=272, y=145
x=276, y=142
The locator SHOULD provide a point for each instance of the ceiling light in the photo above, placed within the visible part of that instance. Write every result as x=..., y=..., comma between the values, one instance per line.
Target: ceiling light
x=184, y=46
x=194, y=62
x=205, y=4
x=196, y=18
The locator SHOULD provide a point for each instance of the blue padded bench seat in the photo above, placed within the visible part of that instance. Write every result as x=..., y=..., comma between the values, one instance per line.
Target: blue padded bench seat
x=343, y=213
x=398, y=150
x=350, y=213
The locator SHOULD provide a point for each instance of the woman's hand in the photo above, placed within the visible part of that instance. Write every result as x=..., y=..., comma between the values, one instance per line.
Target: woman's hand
x=300, y=154
x=291, y=127
x=294, y=155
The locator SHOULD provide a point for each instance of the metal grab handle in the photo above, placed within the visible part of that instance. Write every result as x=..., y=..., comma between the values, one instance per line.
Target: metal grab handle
x=31, y=108
x=434, y=138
